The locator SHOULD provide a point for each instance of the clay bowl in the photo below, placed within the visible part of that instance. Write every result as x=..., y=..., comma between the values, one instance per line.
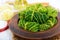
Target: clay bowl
x=29, y=35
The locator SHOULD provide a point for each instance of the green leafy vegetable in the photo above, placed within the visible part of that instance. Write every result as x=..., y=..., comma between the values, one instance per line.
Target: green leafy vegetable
x=51, y=11
x=32, y=26
x=44, y=27
x=51, y=21
x=37, y=18
x=21, y=23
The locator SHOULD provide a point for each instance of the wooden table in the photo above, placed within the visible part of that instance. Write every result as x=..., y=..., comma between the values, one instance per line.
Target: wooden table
x=57, y=37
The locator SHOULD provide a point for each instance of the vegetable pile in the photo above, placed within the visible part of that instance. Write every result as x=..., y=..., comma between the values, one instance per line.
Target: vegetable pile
x=36, y=18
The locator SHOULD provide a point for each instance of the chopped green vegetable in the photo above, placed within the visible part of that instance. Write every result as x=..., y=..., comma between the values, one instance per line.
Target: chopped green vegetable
x=51, y=11
x=21, y=23
x=37, y=18
x=44, y=27
x=51, y=21
x=32, y=26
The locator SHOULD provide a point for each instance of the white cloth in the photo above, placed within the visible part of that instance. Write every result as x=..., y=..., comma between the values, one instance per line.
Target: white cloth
x=6, y=35
x=4, y=1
